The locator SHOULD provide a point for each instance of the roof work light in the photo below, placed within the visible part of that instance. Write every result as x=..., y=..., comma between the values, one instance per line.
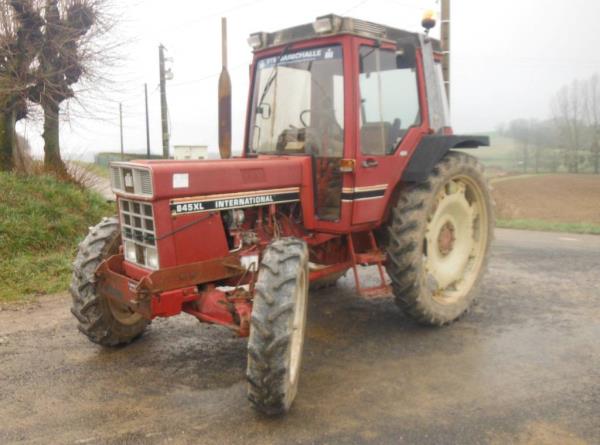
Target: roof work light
x=428, y=21
x=326, y=24
x=257, y=40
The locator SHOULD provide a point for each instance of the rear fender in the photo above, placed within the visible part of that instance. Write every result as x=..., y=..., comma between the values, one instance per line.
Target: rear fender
x=432, y=149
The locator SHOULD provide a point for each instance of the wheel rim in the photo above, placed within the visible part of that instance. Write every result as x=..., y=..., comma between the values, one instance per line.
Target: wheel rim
x=123, y=313
x=297, y=337
x=455, y=239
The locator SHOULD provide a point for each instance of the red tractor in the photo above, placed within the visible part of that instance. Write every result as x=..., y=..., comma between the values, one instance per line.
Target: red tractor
x=348, y=161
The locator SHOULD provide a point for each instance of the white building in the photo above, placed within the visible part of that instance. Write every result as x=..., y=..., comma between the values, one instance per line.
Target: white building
x=190, y=152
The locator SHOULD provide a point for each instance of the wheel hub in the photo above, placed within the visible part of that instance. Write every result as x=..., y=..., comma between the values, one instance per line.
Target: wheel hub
x=446, y=239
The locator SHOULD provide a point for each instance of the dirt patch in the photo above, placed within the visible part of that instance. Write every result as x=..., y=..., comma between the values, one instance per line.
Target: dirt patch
x=556, y=198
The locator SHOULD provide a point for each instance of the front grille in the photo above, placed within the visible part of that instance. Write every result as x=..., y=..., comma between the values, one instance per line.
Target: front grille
x=145, y=180
x=138, y=232
x=130, y=179
x=117, y=181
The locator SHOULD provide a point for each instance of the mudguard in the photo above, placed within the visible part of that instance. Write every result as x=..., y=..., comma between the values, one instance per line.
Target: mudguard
x=432, y=148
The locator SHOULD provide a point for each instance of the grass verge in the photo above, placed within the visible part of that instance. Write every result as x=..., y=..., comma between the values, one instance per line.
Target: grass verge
x=547, y=226
x=41, y=222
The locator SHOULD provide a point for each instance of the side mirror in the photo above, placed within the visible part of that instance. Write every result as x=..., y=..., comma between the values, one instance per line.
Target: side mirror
x=400, y=58
x=264, y=110
x=406, y=57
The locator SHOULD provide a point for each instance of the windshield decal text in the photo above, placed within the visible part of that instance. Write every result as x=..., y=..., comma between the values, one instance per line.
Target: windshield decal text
x=307, y=55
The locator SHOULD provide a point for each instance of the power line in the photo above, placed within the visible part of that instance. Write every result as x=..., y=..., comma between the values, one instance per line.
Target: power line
x=200, y=79
x=357, y=5
x=181, y=26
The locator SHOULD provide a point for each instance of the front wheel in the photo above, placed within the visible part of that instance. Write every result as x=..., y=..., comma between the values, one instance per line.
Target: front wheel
x=438, y=243
x=102, y=320
x=277, y=326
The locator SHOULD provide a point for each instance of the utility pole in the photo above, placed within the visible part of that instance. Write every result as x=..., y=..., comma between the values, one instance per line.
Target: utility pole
x=163, y=101
x=445, y=37
x=121, y=129
x=147, y=122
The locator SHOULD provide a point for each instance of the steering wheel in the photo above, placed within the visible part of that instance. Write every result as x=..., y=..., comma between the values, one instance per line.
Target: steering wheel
x=329, y=115
x=302, y=113
x=325, y=113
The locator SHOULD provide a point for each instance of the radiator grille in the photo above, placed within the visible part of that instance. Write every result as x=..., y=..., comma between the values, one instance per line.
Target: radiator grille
x=117, y=181
x=145, y=181
x=128, y=179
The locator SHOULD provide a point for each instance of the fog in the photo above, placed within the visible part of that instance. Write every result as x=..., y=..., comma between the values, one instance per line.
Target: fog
x=508, y=59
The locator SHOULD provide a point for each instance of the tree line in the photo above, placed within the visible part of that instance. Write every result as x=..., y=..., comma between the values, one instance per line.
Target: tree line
x=46, y=48
x=569, y=140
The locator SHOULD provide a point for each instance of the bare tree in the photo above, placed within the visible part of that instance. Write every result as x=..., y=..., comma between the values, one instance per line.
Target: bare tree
x=68, y=28
x=520, y=131
x=568, y=111
x=20, y=39
x=592, y=119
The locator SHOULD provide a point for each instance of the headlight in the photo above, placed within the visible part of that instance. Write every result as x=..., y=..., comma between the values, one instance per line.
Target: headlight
x=151, y=258
x=130, y=252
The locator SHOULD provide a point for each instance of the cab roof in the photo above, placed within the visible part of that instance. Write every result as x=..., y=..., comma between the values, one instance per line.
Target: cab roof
x=341, y=25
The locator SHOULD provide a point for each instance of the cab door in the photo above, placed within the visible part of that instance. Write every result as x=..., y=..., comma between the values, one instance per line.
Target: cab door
x=389, y=125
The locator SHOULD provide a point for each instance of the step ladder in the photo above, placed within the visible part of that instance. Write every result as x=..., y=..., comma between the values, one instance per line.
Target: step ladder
x=373, y=256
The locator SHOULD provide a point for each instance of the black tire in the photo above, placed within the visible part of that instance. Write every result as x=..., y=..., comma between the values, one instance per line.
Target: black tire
x=406, y=243
x=280, y=301
x=326, y=282
x=103, y=322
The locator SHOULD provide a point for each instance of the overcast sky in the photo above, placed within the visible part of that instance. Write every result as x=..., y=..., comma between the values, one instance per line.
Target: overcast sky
x=508, y=58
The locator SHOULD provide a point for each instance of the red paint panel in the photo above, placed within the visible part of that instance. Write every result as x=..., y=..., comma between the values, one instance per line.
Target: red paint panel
x=203, y=240
x=224, y=175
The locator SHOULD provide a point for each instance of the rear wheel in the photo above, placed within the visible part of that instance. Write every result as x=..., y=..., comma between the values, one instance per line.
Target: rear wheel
x=277, y=326
x=438, y=240
x=102, y=320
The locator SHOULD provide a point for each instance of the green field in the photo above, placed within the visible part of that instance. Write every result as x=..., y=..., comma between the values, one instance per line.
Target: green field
x=501, y=154
x=42, y=220
x=548, y=226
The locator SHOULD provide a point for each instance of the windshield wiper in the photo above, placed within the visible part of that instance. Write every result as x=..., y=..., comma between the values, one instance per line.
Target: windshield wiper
x=272, y=77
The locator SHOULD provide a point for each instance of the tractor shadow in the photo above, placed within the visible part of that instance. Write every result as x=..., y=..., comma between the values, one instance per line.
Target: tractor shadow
x=342, y=326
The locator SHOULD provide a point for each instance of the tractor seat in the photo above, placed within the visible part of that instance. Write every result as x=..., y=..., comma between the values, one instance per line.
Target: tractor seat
x=375, y=137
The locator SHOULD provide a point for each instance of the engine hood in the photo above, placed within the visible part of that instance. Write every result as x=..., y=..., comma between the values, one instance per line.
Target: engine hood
x=180, y=179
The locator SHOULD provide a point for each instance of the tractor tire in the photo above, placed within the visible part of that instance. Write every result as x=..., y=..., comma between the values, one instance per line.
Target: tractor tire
x=277, y=326
x=104, y=322
x=326, y=282
x=438, y=240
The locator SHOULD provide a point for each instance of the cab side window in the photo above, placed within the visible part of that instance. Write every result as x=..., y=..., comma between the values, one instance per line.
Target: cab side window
x=389, y=99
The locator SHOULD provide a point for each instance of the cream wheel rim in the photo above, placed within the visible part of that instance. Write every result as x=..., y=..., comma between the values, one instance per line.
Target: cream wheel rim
x=455, y=239
x=297, y=336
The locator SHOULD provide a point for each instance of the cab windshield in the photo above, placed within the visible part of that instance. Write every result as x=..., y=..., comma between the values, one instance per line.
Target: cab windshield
x=298, y=103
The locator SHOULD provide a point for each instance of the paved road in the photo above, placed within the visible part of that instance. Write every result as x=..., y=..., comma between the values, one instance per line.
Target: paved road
x=522, y=367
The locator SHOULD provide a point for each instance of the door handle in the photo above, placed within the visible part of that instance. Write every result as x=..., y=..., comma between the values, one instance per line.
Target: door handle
x=370, y=163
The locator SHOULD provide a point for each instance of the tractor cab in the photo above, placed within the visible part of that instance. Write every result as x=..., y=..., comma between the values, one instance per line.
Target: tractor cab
x=356, y=97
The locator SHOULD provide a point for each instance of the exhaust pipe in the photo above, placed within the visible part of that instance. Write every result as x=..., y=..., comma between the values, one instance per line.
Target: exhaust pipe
x=224, y=98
